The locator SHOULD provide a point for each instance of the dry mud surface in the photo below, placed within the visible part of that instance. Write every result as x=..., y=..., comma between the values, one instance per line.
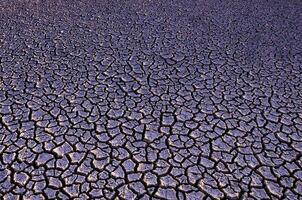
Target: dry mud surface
x=154, y=99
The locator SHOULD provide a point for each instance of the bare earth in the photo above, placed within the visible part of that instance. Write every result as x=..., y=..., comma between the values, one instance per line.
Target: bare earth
x=152, y=100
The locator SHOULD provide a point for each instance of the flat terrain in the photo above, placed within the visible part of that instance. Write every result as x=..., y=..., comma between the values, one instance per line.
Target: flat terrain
x=143, y=99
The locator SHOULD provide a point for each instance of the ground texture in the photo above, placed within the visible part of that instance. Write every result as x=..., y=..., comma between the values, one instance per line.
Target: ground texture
x=150, y=99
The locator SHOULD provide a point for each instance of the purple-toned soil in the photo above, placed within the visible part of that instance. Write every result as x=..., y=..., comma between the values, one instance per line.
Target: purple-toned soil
x=154, y=100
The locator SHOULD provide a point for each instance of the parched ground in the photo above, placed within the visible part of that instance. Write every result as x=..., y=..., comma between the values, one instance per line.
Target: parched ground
x=138, y=99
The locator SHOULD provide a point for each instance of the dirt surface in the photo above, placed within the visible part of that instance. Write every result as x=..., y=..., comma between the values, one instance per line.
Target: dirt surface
x=152, y=100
